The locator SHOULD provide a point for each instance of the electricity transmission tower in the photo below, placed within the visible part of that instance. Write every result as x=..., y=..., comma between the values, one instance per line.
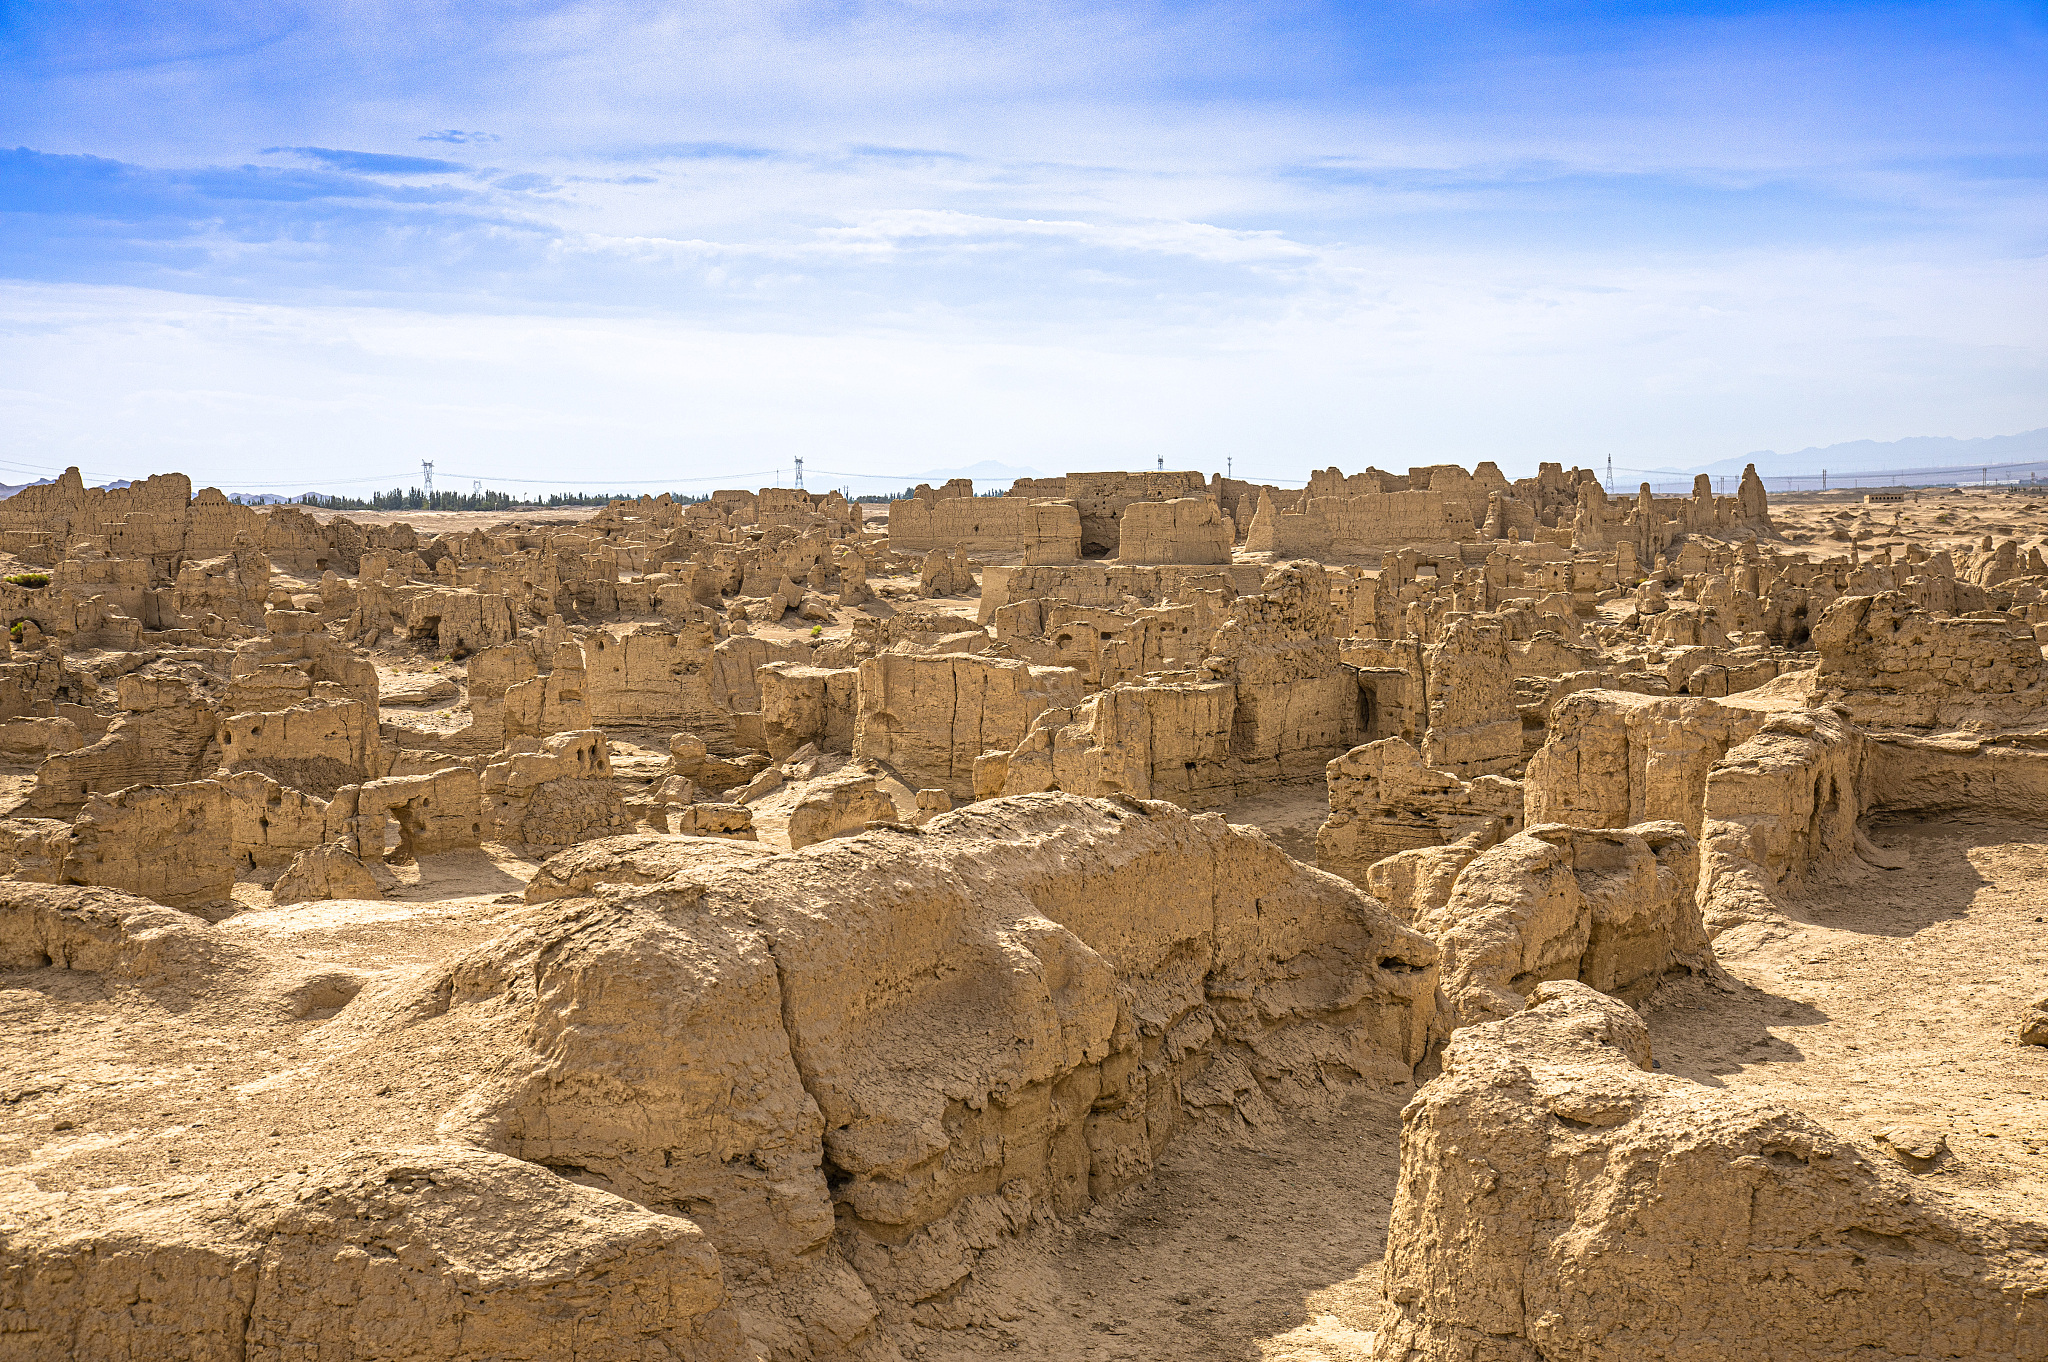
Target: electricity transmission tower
x=799, y=472
x=427, y=477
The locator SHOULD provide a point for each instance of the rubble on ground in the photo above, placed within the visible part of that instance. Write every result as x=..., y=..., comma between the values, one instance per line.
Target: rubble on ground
x=775, y=927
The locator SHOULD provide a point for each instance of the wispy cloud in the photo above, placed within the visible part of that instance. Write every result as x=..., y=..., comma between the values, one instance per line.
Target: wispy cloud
x=371, y=162
x=1489, y=230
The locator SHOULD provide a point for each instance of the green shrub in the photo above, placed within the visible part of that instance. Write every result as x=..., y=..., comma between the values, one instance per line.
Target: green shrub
x=30, y=579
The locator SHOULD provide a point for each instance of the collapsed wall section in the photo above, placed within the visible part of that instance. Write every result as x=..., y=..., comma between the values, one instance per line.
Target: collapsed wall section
x=1357, y=528
x=1612, y=758
x=1384, y=800
x=1892, y=665
x=1558, y=1200
x=932, y=716
x=860, y=1064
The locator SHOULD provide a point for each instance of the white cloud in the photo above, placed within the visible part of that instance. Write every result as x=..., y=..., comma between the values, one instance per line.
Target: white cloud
x=1288, y=235
x=1417, y=359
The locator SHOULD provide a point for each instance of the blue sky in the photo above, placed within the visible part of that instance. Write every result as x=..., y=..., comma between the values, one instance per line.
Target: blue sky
x=631, y=244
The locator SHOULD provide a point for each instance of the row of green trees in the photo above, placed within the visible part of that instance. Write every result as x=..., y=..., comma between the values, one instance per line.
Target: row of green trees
x=414, y=499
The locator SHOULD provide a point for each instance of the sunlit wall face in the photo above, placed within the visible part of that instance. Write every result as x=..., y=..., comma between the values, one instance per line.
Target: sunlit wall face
x=274, y=246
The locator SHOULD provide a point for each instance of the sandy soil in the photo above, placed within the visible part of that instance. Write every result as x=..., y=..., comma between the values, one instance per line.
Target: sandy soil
x=1822, y=525
x=1289, y=812
x=1264, y=1247
x=114, y=1091
x=1890, y=1000
x=445, y=522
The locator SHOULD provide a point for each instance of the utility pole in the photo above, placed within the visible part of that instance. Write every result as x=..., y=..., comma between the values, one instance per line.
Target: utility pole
x=1226, y=467
x=799, y=472
x=427, y=477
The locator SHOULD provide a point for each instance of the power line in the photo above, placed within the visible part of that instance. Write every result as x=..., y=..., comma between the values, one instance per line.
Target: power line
x=622, y=482
x=1959, y=470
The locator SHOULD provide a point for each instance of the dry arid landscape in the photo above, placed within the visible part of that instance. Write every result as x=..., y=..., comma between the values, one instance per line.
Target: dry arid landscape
x=1420, y=916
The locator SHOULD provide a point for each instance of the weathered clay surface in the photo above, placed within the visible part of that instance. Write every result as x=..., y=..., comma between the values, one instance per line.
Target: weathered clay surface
x=1613, y=908
x=479, y=1007
x=851, y=1065
x=1892, y=664
x=1557, y=1200
x=326, y=871
x=1385, y=800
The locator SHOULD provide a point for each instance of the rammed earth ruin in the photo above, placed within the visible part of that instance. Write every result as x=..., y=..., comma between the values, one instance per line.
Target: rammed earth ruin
x=1426, y=917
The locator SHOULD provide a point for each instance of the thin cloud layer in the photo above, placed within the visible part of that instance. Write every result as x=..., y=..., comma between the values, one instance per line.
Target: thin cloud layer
x=1502, y=232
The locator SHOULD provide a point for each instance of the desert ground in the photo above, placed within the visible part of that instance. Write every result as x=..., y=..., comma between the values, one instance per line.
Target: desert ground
x=1422, y=917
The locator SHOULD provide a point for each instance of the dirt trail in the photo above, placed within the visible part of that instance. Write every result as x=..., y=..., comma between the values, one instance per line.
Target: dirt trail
x=1290, y=812
x=1267, y=1253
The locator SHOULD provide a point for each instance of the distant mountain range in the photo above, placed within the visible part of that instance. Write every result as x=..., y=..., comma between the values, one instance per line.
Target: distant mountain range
x=7, y=490
x=986, y=474
x=1877, y=456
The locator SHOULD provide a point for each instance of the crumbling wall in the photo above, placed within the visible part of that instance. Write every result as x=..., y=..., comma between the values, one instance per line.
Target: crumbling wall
x=552, y=703
x=1184, y=530
x=1349, y=529
x=860, y=1063
x=434, y=812
x=1297, y=704
x=460, y=620
x=272, y=823
x=611, y=1280
x=329, y=741
x=1613, y=908
x=1612, y=758
x=930, y=717
x=1469, y=692
x=172, y=844
x=831, y=806
x=326, y=871
x=554, y=797
x=1385, y=800
x=801, y=704
x=489, y=676
x=1169, y=741
x=1104, y=499
x=1891, y=664
x=166, y=734
x=1107, y=585
x=1558, y=1200
x=1781, y=812
x=34, y=849
x=651, y=677
x=1044, y=531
